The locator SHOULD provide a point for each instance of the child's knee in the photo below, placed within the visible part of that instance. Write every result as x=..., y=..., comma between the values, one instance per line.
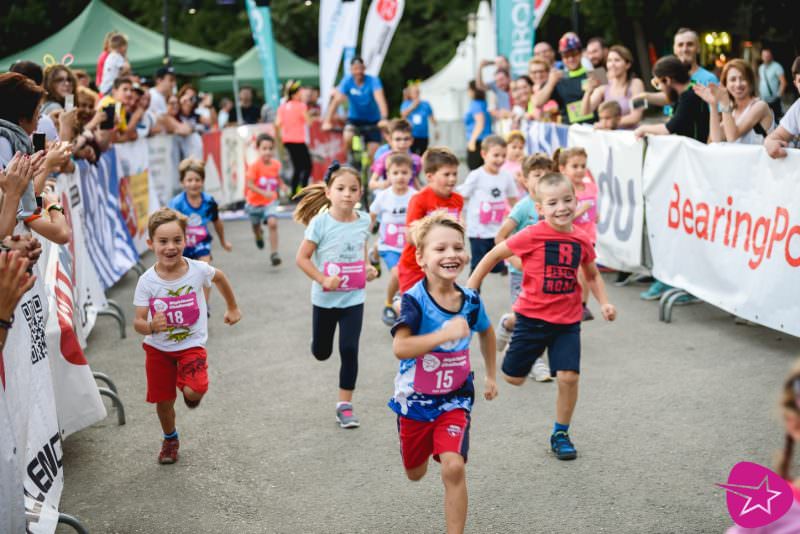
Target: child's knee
x=514, y=380
x=321, y=354
x=272, y=223
x=453, y=468
x=568, y=378
x=416, y=474
x=193, y=395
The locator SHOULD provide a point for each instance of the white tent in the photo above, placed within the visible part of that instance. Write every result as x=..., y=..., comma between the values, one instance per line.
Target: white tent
x=447, y=89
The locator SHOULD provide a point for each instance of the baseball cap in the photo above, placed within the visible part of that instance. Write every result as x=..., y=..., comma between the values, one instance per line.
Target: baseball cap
x=569, y=41
x=163, y=71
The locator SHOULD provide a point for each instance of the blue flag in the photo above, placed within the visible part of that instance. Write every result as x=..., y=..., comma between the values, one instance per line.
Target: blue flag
x=261, y=24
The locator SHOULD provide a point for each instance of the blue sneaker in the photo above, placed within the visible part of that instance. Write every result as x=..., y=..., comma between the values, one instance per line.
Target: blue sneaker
x=562, y=446
x=683, y=300
x=655, y=291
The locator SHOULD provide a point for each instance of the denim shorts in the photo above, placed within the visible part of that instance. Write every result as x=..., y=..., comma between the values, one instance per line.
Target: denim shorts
x=259, y=214
x=515, y=285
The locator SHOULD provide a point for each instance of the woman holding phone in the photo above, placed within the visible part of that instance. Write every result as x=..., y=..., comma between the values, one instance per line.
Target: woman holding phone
x=60, y=84
x=620, y=87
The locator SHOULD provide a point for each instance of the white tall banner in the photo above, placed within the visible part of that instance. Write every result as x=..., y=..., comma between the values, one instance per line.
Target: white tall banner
x=382, y=20
x=32, y=412
x=615, y=162
x=334, y=16
x=724, y=224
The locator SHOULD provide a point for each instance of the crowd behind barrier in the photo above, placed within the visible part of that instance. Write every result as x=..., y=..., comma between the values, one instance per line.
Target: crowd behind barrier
x=717, y=220
x=49, y=391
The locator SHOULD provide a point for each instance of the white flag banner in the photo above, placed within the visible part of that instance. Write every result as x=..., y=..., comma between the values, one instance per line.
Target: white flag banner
x=615, y=164
x=538, y=10
x=724, y=224
x=382, y=20
x=334, y=16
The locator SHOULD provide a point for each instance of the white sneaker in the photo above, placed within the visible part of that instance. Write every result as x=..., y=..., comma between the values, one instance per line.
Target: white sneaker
x=502, y=333
x=541, y=371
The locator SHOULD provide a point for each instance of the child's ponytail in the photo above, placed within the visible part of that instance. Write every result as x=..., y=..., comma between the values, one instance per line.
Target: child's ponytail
x=785, y=462
x=314, y=199
x=556, y=158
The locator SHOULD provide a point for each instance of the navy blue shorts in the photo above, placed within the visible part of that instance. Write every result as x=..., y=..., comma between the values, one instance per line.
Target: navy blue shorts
x=479, y=247
x=530, y=339
x=370, y=130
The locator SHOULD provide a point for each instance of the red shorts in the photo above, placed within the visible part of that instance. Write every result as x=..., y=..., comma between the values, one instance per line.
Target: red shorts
x=169, y=370
x=421, y=439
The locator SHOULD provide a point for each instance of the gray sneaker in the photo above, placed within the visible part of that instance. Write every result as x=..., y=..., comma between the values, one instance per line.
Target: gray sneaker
x=345, y=417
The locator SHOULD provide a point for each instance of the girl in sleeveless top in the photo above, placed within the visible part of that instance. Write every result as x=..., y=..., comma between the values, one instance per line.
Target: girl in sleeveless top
x=621, y=87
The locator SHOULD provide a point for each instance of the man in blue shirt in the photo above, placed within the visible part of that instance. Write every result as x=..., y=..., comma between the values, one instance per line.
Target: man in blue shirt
x=418, y=112
x=367, y=105
x=771, y=82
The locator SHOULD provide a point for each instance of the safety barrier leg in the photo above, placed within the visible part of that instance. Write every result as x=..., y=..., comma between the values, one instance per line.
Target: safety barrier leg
x=139, y=268
x=670, y=304
x=73, y=522
x=115, y=400
x=102, y=377
x=111, y=312
x=662, y=303
x=113, y=304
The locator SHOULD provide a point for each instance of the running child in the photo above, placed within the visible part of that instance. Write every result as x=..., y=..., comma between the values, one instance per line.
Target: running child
x=571, y=162
x=333, y=254
x=486, y=190
x=441, y=170
x=522, y=215
x=261, y=187
x=549, y=307
x=171, y=314
x=433, y=389
x=390, y=206
x=400, y=140
x=515, y=154
x=200, y=208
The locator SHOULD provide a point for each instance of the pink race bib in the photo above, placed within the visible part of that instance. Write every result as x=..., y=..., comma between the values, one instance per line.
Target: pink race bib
x=492, y=212
x=352, y=276
x=270, y=184
x=180, y=311
x=438, y=373
x=195, y=235
x=591, y=214
x=394, y=235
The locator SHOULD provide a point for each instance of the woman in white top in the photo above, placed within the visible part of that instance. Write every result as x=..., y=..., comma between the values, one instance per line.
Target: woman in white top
x=621, y=86
x=744, y=117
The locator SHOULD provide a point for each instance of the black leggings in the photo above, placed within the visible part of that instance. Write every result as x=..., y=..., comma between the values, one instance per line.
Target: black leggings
x=474, y=159
x=301, y=163
x=323, y=325
x=419, y=146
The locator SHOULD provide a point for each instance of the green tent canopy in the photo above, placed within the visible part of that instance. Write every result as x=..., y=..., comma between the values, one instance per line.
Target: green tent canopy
x=83, y=38
x=248, y=71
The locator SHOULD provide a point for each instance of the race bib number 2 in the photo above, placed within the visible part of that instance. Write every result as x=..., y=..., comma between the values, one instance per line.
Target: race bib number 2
x=352, y=276
x=181, y=311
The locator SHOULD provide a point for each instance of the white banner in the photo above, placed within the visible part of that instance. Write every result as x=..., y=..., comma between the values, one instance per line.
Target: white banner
x=724, y=224
x=615, y=164
x=334, y=16
x=31, y=407
x=163, y=169
x=382, y=20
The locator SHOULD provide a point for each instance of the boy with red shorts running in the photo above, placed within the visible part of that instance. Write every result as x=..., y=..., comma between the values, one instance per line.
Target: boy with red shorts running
x=171, y=312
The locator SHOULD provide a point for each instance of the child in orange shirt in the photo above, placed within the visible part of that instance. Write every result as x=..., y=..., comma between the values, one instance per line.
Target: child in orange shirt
x=261, y=193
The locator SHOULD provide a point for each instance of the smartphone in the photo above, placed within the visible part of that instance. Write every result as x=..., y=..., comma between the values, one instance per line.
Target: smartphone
x=639, y=103
x=69, y=103
x=38, y=141
x=108, y=124
x=600, y=75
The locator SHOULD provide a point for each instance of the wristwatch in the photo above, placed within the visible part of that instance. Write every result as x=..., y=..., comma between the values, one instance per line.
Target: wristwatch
x=57, y=207
x=726, y=109
x=6, y=325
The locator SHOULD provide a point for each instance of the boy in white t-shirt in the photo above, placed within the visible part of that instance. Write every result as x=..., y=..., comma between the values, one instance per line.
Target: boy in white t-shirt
x=172, y=313
x=390, y=207
x=489, y=191
x=115, y=62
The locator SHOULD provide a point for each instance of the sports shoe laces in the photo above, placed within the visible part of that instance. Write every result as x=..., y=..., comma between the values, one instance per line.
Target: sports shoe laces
x=562, y=440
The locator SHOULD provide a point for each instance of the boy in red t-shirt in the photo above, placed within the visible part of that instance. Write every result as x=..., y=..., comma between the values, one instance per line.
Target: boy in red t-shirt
x=261, y=193
x=549, y=308
x=440, y=166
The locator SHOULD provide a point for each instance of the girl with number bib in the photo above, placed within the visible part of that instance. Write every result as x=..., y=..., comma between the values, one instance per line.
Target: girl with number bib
x=333, y=254
x=433, y=389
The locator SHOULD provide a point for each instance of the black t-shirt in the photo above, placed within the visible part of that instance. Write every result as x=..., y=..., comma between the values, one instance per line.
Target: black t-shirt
x=251, y=114
x=569, y=90
x=690, y=116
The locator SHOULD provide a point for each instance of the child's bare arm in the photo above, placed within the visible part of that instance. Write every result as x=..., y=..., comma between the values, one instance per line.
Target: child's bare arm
x=372, y=272
x=497, y=254
x=489, y=351
x=232, y=314
x=375, y=182
x=303, y=260
x=583, y=207
x=145, y=327
x=251, y=185
x=407, y=346
x=509, y=225
x=219, y=226
x=54, y=229
x=598, y=289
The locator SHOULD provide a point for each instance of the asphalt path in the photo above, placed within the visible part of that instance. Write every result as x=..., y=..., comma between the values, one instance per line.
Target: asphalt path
x=665, y=411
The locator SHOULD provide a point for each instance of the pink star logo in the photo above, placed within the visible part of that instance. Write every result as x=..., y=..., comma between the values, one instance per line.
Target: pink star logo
x=756, y=496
